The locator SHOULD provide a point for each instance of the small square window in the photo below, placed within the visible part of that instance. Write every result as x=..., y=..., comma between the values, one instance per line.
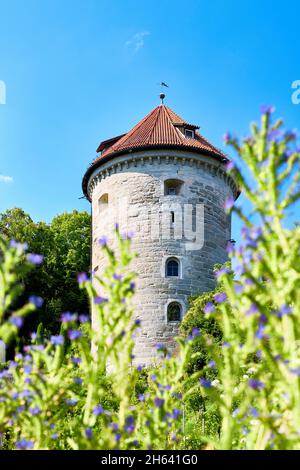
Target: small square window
x=189, y=134
x=171, y=191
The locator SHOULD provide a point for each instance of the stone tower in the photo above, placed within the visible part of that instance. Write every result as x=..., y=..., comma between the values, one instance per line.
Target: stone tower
x=167, y=184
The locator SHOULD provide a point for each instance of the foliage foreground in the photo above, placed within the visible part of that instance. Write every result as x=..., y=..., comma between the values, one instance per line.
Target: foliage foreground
x=57, y=393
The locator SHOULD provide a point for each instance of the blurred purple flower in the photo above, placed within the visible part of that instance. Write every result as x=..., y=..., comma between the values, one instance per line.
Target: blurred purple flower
x=103, y=240
x=252, y=310
x=18, y=245
x=117, y=277
x=35, y=411
x=205, y=383
x=83, y=318
x=141, y=397
x=34, y=258
x=67, y=317
x=98, y=410
x=24, y=444
x=82, y=277
x=88, y=433
x=196, y=332
x=284, y=310
x=175, y=413
x=266, y=109
x=230, y=165
x=71, y=402
x=127, y=235
x=57, y=340
x=209, y=308
x=229, y=203
x=17, y=321
x=256, y=384
x=159, y=402
x=153, y=377
x=220, y=297
x=100, y=300
x=129, y=424
x=74, y=334
x=76, y=360
x=212, y=364
x=221, y=272
x=77, y=380
x=227, y=137
x=35, y=300
x=296, y=371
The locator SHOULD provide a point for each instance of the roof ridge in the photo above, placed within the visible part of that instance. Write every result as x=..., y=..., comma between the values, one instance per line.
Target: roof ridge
x=155, y=121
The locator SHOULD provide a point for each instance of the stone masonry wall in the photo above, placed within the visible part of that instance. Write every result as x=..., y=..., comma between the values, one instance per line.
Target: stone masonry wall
x=136, y=181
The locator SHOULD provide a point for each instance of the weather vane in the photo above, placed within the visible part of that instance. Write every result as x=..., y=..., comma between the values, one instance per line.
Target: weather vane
x=162, y=95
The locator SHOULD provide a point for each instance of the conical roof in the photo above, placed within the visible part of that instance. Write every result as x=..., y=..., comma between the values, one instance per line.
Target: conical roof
x=161, y=128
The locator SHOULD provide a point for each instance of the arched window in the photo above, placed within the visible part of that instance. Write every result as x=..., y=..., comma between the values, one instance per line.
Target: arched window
x=172, y=187
x=103, y=202
x=174, y=312
x=172, y=267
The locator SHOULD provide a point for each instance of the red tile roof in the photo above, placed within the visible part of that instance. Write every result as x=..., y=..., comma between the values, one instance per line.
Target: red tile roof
x=161, y=128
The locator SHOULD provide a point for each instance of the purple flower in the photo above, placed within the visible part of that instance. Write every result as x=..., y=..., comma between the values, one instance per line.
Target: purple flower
x=238, y=289
x=159, y=402
x=132, y=285
x=103, y=240
x=230, y=165
x=220, y=297
x=82, y=277
x=141, y=397
x=296, y=371
x=212, y=364
x=33, y=336
x=100, y=300
x=205, y=383
x=258, y=354
x=195, y=332
x=27, y=369
x=140, y=367
x=260, y=333
x=137, y=322
x=23, y=444
x=76, y=360
x=67, y=317
x=221, y=272
x=117, y=277
x=83, y=318
x=256, y=384
x=127, y=235
x=98, y=410
x=54, y=436
x=230, y=247
x=77, y=380
x=34, y=259
x=71, y=402
x=265, y=109
x=175, y=413
x=254, y=412
x=256, y=232
x=17, y=321
x=153, y=377
x=35, y=300
x=227, y=137
x=229, y=203
x=284, y=310
x=88, y=433
x=209, y=308
x=225, y=344
x=74, y=334
x=57, y=340
x=35, y=411
x=18, y=245
x=252, y=310
x=274, y=135
x=129, y=424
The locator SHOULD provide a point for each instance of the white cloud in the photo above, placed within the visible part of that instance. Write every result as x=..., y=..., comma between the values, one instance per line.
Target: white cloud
x=136, y=42
x=6, y=179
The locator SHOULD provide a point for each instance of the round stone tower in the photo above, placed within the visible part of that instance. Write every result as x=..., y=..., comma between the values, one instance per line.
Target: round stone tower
x=167, y=184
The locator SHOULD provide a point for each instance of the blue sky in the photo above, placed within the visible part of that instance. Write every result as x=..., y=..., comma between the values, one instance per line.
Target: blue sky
x=78, y=72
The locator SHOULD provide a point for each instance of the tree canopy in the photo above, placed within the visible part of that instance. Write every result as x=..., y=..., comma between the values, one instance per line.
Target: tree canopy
x=65, y=245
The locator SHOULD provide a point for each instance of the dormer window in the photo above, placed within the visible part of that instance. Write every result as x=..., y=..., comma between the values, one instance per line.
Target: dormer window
x=189, y=133
x=172, y=187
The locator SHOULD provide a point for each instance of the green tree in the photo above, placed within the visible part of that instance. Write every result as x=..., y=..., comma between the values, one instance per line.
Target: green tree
x=65, y=246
